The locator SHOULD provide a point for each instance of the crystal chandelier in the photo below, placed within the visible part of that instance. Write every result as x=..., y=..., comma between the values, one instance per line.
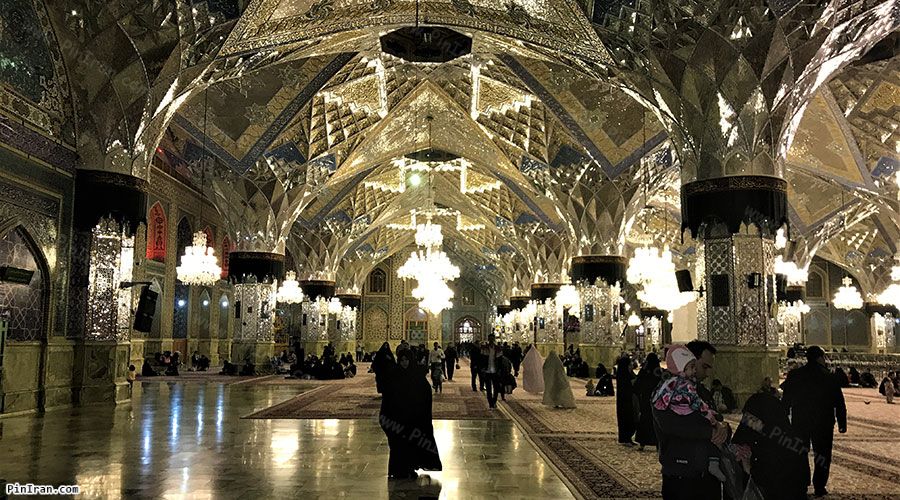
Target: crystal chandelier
x=334, y=306
x=289, y=292
x=791, y=311
x=431, y=268
x=634, y=321
x=568, y=297
x=198, y=264
x=641, y=266
x=847, y=297
x=891, y=294
x=795, y=275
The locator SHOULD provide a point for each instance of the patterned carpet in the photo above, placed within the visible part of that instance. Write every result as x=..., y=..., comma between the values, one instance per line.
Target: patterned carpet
x=582, y=444
x=357, y=398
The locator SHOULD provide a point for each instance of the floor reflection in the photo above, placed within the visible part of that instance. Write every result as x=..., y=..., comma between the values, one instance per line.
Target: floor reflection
x=189, y=441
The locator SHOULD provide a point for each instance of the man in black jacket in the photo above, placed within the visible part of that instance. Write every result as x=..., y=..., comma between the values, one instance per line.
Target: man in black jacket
x=450, y=356
x=815, y=401
x=685, y=445
x=475, y=366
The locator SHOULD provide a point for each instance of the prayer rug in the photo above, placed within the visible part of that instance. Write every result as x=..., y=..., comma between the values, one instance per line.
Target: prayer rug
x=357, y=398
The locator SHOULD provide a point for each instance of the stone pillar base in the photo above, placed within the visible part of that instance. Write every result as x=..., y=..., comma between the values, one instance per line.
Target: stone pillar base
x=100, y=369
x=743, y=368
x=259, y=353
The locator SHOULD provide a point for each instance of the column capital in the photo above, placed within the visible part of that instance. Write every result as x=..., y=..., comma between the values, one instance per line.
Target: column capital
x=734, y=201
x=100, y=193
x=262, y=265
x=590, y=268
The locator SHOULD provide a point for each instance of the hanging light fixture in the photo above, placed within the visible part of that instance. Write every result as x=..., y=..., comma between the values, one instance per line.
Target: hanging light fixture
x=847, y=297
x=334, y=306
x=289, y=292
x=891, y=294
x=567, y=297
x=634, y=320
x=199, y=265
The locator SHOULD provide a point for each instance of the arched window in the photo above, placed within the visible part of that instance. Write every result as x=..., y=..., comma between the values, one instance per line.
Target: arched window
x=468, y=329
x=226, y=251
x=815, y=285
x=24, y=302
x=156, y=234
x=378, y=281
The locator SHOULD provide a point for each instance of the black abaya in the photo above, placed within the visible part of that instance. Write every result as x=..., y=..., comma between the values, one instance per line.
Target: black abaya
x=405, y=419
x=624, y=401
x=778, y=462
x=381, y=365
x=644, y=385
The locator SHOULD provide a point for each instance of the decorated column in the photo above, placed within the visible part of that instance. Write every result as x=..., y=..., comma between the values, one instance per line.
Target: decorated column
x=255, y=276
x=109, y=207
x=730, y=82
x=317, y=327
x=599, y=279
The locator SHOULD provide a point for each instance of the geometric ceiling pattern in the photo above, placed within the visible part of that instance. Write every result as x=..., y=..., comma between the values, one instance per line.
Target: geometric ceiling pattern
x=310, y=133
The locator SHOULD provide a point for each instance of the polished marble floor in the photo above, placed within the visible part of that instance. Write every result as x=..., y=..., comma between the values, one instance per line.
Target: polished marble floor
x=189, y=441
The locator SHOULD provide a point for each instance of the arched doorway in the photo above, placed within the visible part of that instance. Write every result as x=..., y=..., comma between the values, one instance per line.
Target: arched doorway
x=416, y=326
x=467, y=329
x=24, y=306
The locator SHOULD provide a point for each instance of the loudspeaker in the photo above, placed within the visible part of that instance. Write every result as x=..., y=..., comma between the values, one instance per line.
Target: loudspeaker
x=237, y=309
x=721, y=295
x=685, y=284
x=143, y=316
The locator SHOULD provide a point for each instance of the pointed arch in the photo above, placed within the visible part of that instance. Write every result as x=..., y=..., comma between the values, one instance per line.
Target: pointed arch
x=157, y=233
x=27, y=303
x=226, y=257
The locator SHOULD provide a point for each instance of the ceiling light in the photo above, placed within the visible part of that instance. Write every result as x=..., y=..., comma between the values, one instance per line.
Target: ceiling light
x=847, y=297
x=198, y=264
x=289, y=292
x=415, y=179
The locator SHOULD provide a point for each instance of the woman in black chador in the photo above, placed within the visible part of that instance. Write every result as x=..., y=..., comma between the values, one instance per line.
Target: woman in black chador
x=406, y=419
x=644, y=386
x=625, y=407
x=381, y=365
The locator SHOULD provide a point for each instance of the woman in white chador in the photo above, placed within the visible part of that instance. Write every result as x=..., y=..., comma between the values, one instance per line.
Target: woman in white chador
x=557, y=391
x=532, y=371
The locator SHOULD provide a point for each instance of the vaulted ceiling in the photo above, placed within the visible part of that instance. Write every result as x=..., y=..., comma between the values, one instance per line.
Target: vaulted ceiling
x=302, y=130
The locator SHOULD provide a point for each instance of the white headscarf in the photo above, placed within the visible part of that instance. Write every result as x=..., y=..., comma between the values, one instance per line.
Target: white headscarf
x=557, y=391
x=532, y=372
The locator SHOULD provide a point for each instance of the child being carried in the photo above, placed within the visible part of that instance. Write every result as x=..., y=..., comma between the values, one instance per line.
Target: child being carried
x=679, y=394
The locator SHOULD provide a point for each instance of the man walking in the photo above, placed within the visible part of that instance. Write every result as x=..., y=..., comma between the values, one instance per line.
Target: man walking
x=490, y=355
x=475, y=366
x=815, y=401
x=516, y=358
x=450, y=356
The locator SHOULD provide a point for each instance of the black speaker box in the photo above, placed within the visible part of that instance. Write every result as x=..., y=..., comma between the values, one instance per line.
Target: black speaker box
x=143, y=317
x=685, y=284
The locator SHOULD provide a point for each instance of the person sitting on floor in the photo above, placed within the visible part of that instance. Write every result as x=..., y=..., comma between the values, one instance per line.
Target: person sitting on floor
x=350, y=369
x=723, y=397
x=147, y=370
x=204, y=363
x=604, y=382
x=248, y=369
x=174, y=361
x=229, y=368
x=854, y=376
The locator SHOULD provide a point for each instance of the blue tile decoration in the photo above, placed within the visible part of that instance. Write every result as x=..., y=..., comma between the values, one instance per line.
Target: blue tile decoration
x=242, y=165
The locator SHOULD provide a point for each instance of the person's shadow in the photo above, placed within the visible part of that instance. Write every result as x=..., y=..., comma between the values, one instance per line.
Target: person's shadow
x=424, y=487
